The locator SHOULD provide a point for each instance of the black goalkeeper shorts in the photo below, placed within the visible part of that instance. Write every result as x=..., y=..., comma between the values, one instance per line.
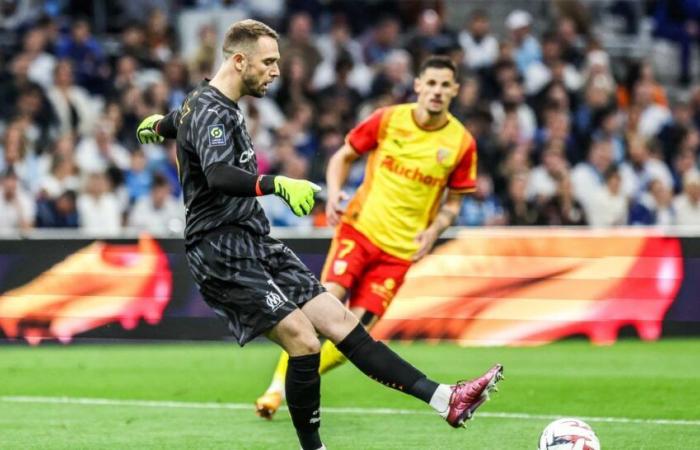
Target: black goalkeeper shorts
x=251, y=281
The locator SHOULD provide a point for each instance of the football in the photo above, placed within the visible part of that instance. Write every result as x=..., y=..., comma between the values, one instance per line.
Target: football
x=568, y=434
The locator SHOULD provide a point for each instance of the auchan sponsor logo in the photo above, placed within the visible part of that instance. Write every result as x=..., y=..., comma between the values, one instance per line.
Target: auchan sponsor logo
x=411, y=173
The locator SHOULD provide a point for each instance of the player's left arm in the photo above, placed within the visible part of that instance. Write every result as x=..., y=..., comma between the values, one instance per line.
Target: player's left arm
x=156, y=127
x=448, y=211
x=461, y=181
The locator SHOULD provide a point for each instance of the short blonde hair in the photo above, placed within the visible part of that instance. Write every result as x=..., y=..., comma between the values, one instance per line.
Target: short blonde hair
x=244, y=33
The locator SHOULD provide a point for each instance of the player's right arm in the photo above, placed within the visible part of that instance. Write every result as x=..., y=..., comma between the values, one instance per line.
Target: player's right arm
x=361, y=139
x=336, y=174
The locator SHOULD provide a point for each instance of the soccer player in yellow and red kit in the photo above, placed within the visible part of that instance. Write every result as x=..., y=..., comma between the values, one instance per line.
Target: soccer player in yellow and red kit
x=417, y=152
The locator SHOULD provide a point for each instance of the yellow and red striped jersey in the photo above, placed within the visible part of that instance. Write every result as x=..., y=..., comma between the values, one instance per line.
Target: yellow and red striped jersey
x=406, y=174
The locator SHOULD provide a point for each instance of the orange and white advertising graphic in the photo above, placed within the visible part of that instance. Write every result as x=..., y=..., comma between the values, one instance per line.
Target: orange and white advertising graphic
x=97, y=285
x=530, y=287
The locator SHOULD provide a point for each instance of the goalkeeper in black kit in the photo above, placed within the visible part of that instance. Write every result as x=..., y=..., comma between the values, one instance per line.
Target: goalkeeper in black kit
x=254, y=281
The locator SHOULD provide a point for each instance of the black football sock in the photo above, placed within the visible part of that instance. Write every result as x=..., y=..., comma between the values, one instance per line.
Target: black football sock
x=303, y=391
x=380, y=363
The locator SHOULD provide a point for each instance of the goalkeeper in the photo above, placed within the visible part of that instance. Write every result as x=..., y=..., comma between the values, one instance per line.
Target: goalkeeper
x=254, y=281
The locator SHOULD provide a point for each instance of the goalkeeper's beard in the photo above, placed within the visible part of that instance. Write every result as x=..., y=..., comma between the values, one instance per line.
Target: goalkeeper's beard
x=253, y=86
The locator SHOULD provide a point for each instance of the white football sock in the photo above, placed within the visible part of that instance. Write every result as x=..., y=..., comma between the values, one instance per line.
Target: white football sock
x=440, y=401
x=276, y=386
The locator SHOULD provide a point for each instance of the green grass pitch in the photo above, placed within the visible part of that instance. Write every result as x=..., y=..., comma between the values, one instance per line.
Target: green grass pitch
x=636, y=395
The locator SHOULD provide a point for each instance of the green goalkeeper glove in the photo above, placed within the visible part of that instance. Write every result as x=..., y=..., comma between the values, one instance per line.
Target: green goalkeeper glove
x=298, y=194
x=146, y=132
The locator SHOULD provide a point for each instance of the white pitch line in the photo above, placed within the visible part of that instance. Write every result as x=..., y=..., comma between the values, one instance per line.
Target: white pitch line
x=327, y=409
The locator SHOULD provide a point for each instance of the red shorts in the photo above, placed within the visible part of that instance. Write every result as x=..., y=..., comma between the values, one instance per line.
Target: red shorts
x=371, y=275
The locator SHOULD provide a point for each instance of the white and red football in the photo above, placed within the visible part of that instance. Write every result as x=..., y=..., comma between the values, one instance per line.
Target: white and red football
x=568, y=434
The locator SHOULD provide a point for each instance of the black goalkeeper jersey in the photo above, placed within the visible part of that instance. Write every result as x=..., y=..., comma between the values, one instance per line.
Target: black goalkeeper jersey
x=211, y=129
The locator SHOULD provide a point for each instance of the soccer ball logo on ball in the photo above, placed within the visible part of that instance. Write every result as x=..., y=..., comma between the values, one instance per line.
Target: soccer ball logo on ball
x=568, y=434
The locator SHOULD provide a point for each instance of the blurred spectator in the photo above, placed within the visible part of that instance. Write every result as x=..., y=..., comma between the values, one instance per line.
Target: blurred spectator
x=609, y=205
x=687, y=204
x=85, y=52
x=16, y=82
x=160, y=37
x=607, y=125
x=339, y=44
x=169, y=168
x=299, y=43
x=542, y=182
x=645, y=166
x=651, y=116
x=597, y=71
x=679, y=132
x=137, y=179
x=381, y=40
x=295, y=85
x=479, y=45
x=125, y=76
x=330, y=140
x=202, y=62
x=540, y=73
x=16, y=205
x=133, y=44
x=17, y=156
x=395, y=77
x=527, y=48
x=483, y=208
x=177, y=78
x=684, y=162
x=62, y=177
x=679, y=21
x=59, y=212
x=596, y=100
x=556, y=130
x=96, y=153
x=465, y=104
x=41, y=62
x=36, y=117
x=513, y=102
x=518, y=209
x=98, y=208
x=298, y=130
x=571, y=42
x=562, y=208
x=429, y=37
x=654, y=207
x=158, y=212
x=72, y=103
x=641, y=72
x=339, y=95
x=587, y=176
x=14, y=14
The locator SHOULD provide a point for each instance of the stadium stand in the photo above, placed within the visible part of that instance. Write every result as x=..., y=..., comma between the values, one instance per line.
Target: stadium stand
x=584, y=112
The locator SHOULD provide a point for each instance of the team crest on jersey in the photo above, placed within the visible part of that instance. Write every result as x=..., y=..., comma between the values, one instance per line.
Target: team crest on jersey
x=442, y=155
x=273, y=300
x=340, y=266
x=216, y=133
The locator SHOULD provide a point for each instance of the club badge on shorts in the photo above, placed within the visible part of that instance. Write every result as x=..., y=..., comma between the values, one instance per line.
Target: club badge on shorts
x=273, y=300
x=339, y=266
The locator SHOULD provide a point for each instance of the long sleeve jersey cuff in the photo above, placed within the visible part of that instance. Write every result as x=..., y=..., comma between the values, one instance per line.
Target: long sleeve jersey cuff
x=166, y=127
x=237, y=182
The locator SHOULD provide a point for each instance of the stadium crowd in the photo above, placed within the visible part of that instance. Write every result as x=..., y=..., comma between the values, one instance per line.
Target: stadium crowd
x=567, y=134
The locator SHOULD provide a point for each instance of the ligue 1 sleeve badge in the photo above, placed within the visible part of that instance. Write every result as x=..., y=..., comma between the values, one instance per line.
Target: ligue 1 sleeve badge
x=339, y=266
x=217, y=135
